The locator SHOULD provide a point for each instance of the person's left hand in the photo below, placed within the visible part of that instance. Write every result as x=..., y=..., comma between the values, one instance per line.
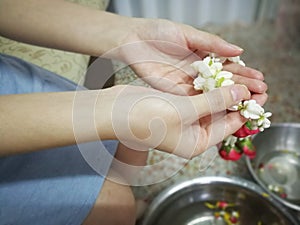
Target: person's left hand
x=160, y=52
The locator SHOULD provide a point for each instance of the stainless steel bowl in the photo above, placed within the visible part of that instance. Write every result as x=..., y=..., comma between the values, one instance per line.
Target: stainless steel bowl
x=276, y=166
x=186, y=204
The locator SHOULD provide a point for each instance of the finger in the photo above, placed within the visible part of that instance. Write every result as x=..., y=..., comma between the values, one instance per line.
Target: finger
x=244, y=71
x=219, y=99
x=260, y=98
x=219, y=129
x=207, y=42
x=254, y=85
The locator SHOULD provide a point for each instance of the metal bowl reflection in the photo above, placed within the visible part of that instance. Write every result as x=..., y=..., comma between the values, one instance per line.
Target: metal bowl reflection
x=276, y=166
x=186, y=204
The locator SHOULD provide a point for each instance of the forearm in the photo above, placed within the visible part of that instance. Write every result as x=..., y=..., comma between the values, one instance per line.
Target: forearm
x=31, y=122
x=62, y=25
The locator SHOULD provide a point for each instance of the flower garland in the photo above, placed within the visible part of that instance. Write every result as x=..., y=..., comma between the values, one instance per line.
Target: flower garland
x=210, y=76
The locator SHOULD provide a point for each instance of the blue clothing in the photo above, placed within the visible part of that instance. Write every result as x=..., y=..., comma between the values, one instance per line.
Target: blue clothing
x=50, y=187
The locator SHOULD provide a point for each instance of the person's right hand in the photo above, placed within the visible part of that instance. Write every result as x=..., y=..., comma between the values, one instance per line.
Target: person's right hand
x=143, y=118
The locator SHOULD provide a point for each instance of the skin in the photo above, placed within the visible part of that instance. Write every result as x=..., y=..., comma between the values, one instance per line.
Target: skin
x=160, y=52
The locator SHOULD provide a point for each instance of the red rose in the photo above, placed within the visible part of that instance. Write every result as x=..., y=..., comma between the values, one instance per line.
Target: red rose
x=245, y=130
x=230, y=153
x=247, y=147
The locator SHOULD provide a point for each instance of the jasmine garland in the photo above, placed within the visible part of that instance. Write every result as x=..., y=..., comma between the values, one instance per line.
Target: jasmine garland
x=210, y=75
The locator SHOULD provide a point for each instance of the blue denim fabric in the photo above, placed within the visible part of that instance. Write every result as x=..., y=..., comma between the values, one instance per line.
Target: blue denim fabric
x=49, y=187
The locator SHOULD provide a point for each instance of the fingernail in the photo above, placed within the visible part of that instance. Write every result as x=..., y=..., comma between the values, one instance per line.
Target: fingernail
x=239, y=92
x=235, y=47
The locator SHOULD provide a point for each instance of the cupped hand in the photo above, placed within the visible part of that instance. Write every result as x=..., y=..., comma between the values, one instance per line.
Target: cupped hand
x=160, y=52
x=145, y=118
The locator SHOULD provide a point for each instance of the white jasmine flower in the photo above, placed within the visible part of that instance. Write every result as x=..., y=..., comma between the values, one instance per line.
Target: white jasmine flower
x=224, y=74
x=263, y=122
x=216, y=67
x=237, y=60
x=217, y=58
x=230, y=141
x=223, y=78
x=208, y=60
x=207, y=67
x=203, y=68
x=227, y=83
x=236, y=107
x=195, y=65
x=210, y=84
x=251, y=110
x=199, y=83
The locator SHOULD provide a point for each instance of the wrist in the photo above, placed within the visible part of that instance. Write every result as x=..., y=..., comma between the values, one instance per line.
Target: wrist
x=117, y=43
x=103, y=113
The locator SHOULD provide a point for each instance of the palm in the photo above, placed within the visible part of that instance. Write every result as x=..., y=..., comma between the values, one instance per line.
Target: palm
x=163, y=58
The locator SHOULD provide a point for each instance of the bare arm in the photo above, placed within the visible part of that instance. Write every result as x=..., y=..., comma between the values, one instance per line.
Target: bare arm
x=38, y=121
x=32, y=122
x=62, y=25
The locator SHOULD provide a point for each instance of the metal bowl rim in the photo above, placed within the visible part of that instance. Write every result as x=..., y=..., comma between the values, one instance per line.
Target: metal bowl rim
x=250, y=168
x=237, y=181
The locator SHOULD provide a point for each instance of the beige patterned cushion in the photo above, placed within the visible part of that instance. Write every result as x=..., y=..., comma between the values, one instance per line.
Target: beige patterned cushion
x=97, y=4
x=70, y=65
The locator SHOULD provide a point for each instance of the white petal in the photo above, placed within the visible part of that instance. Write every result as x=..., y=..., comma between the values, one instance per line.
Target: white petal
x=253, y=116
x=267, y=114
x=210, y=84
x=234, y=108
x=199, y=83
x=227, y=83
x=244, y=104
x=199, y=79
x=235, y=59
x=195, y=64
x=221, y=59
x=249, y=102
x=260, y=121
x=217, y=66
x=207, y=60
x=204, y=69
x=241, y=63
x=245, y=114
x=267, y=123
x=225, y=74
x=254, y=108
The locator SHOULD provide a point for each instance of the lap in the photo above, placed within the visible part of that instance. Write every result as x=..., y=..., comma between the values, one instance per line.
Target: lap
x=18, y=76
x=54, y=186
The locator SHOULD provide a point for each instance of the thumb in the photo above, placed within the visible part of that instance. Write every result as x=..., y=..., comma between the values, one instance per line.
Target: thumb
x=219, y=99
